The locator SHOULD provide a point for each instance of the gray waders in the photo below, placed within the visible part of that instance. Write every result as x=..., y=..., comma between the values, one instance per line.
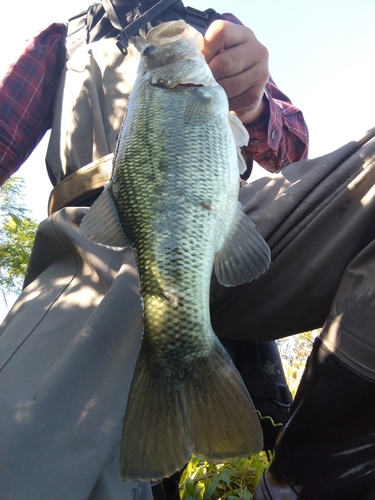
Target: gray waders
x=69, y=345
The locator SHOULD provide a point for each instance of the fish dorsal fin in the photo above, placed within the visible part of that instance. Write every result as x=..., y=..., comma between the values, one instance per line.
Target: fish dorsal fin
x=198, y=107
x=244, y=256
x=241, y=138
x=102, y=225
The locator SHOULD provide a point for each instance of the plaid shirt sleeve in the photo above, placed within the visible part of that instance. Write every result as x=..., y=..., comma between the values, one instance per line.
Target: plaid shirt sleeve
x=27, y=94
x=281, y=139
x=28, y=90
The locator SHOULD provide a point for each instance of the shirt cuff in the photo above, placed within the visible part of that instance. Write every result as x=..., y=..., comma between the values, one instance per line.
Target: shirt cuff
x=265, y=138
x=279, y=140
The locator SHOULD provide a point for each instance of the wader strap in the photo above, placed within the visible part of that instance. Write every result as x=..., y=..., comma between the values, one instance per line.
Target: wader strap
x=77, y=33
x=81, y=31
x=85, y=182
x=198, y=19
x=111, y=13
x=138, y=23
x=194, y=17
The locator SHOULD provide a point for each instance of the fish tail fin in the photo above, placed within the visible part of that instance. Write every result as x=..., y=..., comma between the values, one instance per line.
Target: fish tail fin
x=208, y=412
x=223, y=420
x=155, y=439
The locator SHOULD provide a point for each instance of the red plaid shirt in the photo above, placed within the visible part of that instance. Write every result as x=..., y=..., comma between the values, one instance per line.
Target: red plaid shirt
x=29, y=87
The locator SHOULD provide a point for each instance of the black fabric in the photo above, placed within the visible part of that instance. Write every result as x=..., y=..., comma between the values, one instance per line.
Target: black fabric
x=327, y=449
x=99, y=25
x=176, y=11
x=141, y=20
x=260, y=366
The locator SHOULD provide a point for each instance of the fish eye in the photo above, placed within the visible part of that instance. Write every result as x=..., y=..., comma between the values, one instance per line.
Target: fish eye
x=149, y=50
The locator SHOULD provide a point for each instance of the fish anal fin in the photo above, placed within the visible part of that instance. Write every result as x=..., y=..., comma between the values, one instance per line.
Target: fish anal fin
x=207, y=412
x=102, y=225
x=244, y=256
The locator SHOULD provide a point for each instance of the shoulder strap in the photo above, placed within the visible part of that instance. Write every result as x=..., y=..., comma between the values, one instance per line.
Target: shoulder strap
x=138, y=23
x=198, y=19
x=77, y=33
x=101, y=20
x=111, y=13
x=90, y=25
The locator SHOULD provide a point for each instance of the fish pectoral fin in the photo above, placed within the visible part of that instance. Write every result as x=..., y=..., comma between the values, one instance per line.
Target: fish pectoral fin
x=241, y=138
x=198, y=107
x=102, y=225
x=207, y=411
x=244, y=256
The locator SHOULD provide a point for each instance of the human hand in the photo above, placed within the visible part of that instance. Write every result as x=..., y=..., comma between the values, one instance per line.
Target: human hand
x=239, y=63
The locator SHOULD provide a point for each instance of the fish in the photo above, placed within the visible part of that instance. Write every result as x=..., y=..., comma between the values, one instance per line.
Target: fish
x=173, y=197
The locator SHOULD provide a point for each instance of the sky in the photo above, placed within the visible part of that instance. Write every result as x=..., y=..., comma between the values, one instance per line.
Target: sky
x=322, y=56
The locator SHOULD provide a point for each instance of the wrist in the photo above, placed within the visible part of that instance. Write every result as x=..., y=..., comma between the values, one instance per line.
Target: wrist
x=257, y=116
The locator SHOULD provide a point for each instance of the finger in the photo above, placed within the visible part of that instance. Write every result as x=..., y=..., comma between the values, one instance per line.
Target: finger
x=246, y=103
x=254, y=78
x=238, y=59
x=221, y=35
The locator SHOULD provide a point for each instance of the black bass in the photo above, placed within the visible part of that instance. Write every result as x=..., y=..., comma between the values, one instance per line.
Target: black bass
x=173, y=196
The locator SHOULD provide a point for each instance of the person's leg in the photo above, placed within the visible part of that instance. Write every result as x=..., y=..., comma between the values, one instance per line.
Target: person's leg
x=316, y=216
x=322, y=242
x=64, y=322
x=66, y=368
x=327, y=449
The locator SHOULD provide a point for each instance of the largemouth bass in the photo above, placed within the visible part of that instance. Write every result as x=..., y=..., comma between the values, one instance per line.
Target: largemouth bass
x=173, y=196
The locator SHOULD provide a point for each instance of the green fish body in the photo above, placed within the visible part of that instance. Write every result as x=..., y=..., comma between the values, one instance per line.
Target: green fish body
x=173, y=196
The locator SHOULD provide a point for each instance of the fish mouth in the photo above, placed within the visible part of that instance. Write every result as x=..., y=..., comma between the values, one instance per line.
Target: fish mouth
x=168, y=84
x=182, y=85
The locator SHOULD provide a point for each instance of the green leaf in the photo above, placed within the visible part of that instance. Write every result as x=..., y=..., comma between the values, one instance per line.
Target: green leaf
x=211, y=487
x=189, y=487
x=246, y=495
x=225, y=477
x=17, y=232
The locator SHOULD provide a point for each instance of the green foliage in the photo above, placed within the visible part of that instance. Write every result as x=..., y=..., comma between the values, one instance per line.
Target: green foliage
x=294, y=351
x=202, y=480
x=17, y=233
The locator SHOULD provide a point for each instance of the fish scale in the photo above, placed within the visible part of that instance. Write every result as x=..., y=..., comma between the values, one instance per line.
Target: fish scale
x=182, y=219
x=174, y=198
